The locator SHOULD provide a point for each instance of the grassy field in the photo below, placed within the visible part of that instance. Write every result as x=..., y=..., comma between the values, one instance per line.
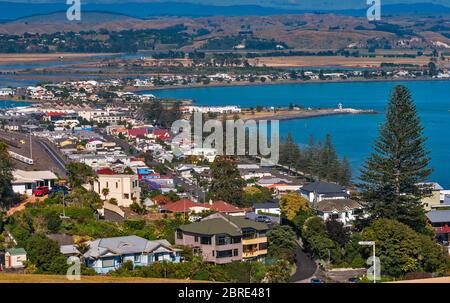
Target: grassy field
x=304, y=61
x=28, y=278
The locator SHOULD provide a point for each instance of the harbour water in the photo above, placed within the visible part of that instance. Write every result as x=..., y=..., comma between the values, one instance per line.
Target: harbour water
x=352, y=135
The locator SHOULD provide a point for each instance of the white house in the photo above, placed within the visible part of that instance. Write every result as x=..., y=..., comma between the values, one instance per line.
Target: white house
x=342, y=210
x=267, y=208
x=14, y=258
x=25, y=181
x=318, y=191
x=6, y=92
x=124, y=188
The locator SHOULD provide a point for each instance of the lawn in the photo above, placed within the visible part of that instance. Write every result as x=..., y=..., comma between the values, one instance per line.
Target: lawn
x=29, y=278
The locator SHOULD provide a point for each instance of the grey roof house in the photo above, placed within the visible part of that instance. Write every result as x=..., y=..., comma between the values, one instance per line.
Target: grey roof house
x=108, y=254
x=318, y=191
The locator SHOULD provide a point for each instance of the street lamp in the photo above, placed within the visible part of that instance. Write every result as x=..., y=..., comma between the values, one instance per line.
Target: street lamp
x=371, y=243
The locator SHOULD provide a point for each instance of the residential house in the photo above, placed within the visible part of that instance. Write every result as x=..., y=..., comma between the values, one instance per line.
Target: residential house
x=318, y=191
x=122, y=187
x=221, y=239
x=108, y=254
x=15, y=258
x=440, y=221
x=434, y=199
x=272, y=208
x=25, y=181
x=342, y=210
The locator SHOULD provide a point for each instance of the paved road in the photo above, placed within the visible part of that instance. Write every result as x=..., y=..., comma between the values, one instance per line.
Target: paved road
x=53, y=155
x=306, y=267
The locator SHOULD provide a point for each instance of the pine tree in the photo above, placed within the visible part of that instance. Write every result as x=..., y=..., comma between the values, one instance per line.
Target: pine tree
x=290, y=152
x=391, y=174
x=226, y=184
x=345, y=173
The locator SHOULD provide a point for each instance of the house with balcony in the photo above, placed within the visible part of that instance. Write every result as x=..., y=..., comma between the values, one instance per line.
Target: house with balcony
x=221, y=238
x=122, y=187
x=108, y=254
x=440, y=220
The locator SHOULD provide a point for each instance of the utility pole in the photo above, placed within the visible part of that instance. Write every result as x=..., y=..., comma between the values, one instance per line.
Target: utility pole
x=31, y=147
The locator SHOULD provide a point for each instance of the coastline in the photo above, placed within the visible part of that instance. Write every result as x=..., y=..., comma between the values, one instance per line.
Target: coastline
x=306, y=114
x=247, y=83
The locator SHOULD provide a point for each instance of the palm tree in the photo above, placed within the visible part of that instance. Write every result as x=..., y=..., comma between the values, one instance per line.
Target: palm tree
x=105, y=192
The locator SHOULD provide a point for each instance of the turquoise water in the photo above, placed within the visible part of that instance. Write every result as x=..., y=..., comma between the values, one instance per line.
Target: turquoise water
x=352, y=135
x=12, y=103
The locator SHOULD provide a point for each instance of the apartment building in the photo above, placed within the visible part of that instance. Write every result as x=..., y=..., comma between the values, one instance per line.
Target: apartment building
x=221, y=238
x=124, y=188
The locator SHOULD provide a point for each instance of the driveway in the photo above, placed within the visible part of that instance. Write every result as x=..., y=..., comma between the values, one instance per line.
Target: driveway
x=306, y=266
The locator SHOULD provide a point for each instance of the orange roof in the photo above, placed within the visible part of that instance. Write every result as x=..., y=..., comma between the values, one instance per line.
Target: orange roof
x=181, y=206
x=222, y=206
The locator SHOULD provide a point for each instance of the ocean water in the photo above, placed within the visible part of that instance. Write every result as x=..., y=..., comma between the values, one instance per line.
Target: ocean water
x=352, y=135
x=12, y=103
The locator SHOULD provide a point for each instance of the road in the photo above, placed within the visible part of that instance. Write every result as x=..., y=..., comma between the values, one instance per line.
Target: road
x=53, y=155
x=306, y=266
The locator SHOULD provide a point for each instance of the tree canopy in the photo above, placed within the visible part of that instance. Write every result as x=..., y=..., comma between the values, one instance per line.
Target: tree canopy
x=399, y=162
x=227, y=184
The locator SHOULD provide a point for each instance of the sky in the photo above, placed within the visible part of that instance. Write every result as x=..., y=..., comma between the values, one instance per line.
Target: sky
x=292, y=4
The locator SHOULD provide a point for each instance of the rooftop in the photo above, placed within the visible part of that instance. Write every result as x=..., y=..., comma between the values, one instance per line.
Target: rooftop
x=337, y=205
x=323, y=187
x=439, y=216
x=222, y=224
x=16, y=251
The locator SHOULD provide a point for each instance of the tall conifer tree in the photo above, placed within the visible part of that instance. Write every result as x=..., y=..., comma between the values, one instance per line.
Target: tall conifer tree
x=400, y=161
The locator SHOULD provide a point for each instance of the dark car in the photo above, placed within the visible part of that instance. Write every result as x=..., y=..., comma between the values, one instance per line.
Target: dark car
x=58, y=190
x=264, y=219
x=353, y=280
x=40, y=191
x=316, y=281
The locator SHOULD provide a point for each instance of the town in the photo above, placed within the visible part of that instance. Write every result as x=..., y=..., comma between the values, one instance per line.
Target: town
x=95, y=175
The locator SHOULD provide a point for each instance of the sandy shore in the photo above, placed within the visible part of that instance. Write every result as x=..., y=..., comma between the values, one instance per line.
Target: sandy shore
x=302, y=114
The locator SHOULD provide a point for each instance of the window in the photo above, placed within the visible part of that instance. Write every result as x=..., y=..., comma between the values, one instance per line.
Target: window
x=117, y=185
x=213, y=253
x=196, y=239
x=126, y=196
x=248, y=234
x=137, y=258
x=107, y=262
x=179, y=234
x=224, y=253
x=223, y=240
x=235, y=252
x=205, y=240
x=263, y=245
x=107, y=185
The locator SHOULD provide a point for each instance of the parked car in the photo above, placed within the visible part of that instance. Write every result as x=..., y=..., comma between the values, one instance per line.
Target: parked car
x=262, y=218
x=315, y=281
x=353, y=280
x=58, y=189
x=40, y=191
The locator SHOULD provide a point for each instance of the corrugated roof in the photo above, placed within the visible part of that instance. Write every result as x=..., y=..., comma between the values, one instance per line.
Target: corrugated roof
x=439, y=216
x=16, y=251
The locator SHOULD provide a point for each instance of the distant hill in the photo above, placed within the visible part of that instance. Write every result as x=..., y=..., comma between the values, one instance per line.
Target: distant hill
x=15, y=10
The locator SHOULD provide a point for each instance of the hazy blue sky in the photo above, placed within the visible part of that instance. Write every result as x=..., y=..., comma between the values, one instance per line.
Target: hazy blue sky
x=299, y=4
